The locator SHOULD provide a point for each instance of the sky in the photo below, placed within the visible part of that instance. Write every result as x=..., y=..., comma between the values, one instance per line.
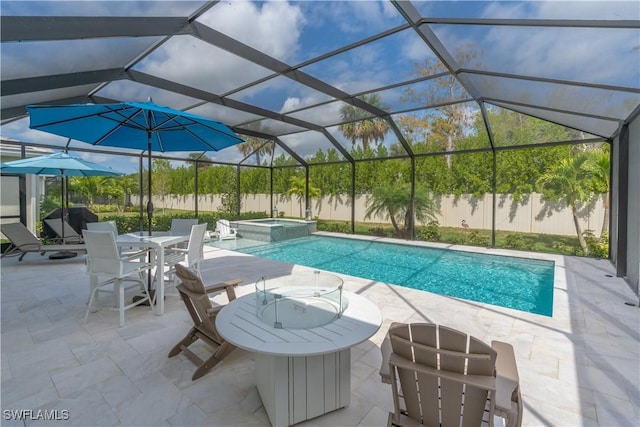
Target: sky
x=295, y=32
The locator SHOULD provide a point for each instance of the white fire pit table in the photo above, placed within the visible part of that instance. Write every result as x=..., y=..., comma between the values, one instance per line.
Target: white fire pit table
x=302, y=370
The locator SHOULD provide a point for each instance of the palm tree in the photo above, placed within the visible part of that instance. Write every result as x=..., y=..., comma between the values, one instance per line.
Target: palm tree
x=128, y=185
x=297, y=188
x=89, y=187
x=359, y=125
x=394, y=202
x=569, y=181
x=256, y=146
x=201, y=158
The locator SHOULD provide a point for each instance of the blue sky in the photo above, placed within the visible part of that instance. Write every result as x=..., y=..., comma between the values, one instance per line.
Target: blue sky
x=294, y=32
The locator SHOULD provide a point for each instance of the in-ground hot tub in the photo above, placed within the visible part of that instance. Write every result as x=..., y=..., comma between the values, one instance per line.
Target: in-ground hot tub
x=275, y=229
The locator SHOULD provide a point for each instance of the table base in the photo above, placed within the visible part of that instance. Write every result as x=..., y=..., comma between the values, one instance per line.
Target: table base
x=297, y=388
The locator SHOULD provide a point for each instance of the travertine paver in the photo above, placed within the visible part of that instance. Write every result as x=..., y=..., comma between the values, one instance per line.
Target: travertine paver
x=580, y=367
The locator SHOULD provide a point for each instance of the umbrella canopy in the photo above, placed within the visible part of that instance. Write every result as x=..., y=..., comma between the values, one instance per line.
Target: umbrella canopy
x=61, y=164
x=58, y=164
x=138, y=125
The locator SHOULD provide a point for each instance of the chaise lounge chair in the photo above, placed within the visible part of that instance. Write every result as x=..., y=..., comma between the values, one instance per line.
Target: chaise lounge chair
x=24, y=241
x=203, y=313
x=71, y=236
x=441, y=376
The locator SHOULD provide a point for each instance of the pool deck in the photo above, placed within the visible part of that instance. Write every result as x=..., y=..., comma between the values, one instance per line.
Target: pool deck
x=580, y=367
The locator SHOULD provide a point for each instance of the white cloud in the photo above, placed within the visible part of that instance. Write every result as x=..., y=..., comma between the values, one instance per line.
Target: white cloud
x=290, y=104
x=274, y=27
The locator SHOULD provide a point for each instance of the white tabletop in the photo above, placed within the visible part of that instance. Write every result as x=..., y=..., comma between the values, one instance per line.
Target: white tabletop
x=237, y=323
x=156, y=239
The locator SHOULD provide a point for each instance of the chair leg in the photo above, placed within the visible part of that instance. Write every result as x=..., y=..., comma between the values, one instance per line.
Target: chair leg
x=222, y=351
x=93, y=283
x=189, y=339
x=120, y=290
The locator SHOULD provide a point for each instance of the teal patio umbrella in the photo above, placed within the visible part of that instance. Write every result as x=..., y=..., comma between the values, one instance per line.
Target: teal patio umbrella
x=138, y=125
x=61, y=164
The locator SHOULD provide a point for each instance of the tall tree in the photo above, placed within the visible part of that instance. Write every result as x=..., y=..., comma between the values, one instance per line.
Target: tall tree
x=161, y=179
x=360, y=125
x=257, y=147
x=443, y=125
x=599, y=165
x=569, y=182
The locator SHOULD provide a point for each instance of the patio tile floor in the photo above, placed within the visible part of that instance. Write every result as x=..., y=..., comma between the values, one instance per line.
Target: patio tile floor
x=581, y=367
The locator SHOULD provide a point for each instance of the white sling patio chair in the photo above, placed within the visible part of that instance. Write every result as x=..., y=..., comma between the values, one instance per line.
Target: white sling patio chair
x=188, y=257
x=103, y=226
x=24, y=241
x=107, y=267
x=182, y=227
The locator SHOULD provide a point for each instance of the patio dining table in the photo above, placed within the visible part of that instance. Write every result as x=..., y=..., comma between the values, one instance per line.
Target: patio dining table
x=159, y=242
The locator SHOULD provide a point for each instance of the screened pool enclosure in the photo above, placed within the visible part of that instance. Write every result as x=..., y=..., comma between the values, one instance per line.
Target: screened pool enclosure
x=400, y=117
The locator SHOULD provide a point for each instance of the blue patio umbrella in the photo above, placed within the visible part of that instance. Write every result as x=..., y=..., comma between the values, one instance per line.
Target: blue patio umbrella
x=58, y=164
x=61, y=164
x=137, y=125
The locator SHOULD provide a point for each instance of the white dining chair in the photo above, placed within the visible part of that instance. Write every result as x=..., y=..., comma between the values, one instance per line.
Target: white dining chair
x=182, y=227
x=108, y=268
x=103, y=226
x=112, y=227
x=188, y=257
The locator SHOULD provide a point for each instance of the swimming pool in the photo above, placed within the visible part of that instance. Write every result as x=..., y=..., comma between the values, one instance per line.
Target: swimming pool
x=522, y=284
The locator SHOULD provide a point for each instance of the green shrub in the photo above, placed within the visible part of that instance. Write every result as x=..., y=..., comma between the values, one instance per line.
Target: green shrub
x=513, y=241
x=598, y=247
x=478, y=239
x=377, y=231
x=131, y=223
x=106, y=208
x=455, y=239
x=430, y=232
x=336, y=227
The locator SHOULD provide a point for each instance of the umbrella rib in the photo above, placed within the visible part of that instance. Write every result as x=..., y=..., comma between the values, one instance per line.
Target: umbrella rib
x=127, y=120
x=180, y=126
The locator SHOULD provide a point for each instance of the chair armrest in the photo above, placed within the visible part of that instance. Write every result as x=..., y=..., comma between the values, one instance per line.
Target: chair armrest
x=229, y=286
x=137, y=254
x=386, y=350
x=507, y=378
x=176, y=249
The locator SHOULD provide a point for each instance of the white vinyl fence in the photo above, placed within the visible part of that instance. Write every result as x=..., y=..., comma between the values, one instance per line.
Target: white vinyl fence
x=530, y=215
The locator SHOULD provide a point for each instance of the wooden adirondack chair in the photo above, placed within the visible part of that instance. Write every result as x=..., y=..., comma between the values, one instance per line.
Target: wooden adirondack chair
x=203, y=313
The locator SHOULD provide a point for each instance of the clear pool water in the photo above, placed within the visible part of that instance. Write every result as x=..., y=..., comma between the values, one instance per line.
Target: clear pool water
x=518, y=283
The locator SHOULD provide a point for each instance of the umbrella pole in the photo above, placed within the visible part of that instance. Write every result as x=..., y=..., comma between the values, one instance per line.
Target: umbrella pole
x=62, y=201
x=64, y=208
x=150, y=212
